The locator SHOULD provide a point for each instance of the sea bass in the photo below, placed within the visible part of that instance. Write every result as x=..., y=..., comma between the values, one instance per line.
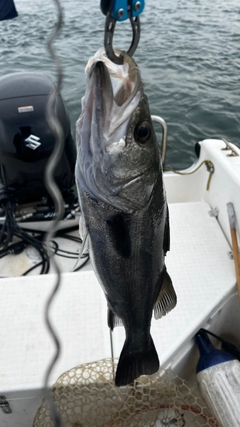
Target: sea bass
x=124, y=210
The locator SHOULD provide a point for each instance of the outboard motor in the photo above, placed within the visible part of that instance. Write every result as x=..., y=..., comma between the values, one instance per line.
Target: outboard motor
x=26, y=140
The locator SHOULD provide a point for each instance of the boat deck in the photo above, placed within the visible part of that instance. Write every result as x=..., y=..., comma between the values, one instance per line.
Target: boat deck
x=199, y=252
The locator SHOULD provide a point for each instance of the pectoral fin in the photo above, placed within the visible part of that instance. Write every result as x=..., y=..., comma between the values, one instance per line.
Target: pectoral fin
x=113, y=320
x=83, y=233
x=167, y=298
x=83, y=251
x=166, y=240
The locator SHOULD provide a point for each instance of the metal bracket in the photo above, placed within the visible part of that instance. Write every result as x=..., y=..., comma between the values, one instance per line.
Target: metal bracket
x=230, y=148
x=108, y=38
x=214, y=212
x=164, y=136
x=4, y=405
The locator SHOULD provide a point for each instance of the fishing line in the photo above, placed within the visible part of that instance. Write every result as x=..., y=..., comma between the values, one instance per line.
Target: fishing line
x=56, y=196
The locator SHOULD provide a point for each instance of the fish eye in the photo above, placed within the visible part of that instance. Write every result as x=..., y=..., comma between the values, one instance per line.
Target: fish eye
x=142, y=132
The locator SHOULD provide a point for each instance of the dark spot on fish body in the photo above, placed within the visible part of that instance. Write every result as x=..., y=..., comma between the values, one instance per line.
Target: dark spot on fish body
x=119, y=234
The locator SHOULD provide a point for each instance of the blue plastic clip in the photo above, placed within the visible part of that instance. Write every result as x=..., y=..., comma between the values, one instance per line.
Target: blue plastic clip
x=137, y=7
x=120, y=10
x=124, y=9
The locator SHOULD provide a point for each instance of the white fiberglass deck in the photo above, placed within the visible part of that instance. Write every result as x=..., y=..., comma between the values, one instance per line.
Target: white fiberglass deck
x=203, y=276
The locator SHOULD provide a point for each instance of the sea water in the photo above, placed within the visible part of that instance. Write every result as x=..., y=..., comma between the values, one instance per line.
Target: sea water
x=188, y=55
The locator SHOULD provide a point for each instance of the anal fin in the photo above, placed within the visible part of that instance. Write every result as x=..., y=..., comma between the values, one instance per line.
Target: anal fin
x=167, y=298
x=113, y=320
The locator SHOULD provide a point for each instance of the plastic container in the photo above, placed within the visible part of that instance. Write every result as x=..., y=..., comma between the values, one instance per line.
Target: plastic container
x=218, y=377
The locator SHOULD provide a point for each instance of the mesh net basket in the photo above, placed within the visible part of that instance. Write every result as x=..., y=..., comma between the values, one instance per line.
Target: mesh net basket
x=87, y=397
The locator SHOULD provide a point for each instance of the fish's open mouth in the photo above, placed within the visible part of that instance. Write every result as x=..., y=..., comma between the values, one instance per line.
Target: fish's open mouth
x=124, y=79
x=116, y=91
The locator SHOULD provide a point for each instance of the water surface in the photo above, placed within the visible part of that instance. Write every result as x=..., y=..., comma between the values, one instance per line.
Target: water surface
x=188, y=55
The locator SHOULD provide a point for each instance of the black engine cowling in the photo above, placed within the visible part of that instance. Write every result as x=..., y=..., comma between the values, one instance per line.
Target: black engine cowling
x=26, y=140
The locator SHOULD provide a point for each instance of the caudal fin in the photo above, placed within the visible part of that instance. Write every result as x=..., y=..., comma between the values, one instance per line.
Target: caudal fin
x=132, y=364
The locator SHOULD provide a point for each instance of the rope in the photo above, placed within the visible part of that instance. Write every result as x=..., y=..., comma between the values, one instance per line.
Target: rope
x=210, y=169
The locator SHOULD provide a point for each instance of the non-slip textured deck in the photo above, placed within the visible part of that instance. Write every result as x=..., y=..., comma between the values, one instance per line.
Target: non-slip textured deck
x=202, y=274
x=78, y=315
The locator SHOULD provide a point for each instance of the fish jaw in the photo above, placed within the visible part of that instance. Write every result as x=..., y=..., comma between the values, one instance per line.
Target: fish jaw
x=89, y=133
x=111, y=166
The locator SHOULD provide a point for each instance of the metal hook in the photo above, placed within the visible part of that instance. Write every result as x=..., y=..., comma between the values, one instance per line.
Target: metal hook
x=108, y=38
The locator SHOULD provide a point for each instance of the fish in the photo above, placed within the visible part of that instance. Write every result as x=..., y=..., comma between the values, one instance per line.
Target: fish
x=125, y=219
